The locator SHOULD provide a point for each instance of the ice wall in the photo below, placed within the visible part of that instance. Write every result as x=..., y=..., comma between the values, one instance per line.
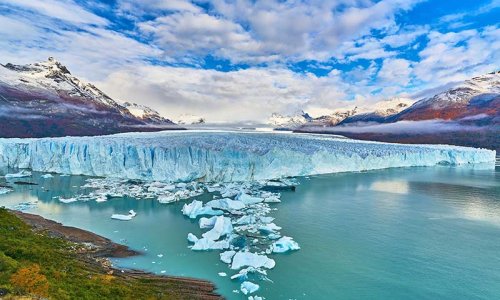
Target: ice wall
x=222, y=156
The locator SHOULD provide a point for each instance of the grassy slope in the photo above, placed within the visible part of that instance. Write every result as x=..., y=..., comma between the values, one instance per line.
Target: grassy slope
x=68, y=276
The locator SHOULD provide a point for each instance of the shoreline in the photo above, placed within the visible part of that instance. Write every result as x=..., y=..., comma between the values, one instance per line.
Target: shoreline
x=97, y=249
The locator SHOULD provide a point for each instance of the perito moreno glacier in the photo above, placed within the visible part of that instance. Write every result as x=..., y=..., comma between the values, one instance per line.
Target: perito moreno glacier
x=222, y=156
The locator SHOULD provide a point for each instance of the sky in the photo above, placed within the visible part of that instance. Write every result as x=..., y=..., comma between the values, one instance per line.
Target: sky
x=241, y=60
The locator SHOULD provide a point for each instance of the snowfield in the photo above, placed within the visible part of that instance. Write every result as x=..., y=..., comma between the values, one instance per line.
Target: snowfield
x=222, y=156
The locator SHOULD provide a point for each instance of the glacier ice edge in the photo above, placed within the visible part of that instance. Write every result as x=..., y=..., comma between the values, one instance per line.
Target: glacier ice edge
x=222, y=156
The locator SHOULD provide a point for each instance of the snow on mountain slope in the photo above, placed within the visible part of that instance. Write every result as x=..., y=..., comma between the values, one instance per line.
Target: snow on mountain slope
x=145, y=113
x=477, y=96
x=289, y=122
x=379, y=111
x=44, y=99
x=222, y=156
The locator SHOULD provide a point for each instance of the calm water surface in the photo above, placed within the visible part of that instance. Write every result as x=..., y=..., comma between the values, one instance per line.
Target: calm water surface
x=412, y=233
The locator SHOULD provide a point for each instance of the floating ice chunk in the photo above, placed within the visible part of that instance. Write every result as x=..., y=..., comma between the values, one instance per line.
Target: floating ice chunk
x=227, y=256
x=255, y=298
x=5, y=190
x=285, y=244
x=246, y=220
x=226, y=204
x=160, y=255
x=248, y=287
x=243, y=273
x=248, y=200
x=207, y=223
x=131, y=214
x=269, y=228
x=26, y=205
x=195, y=209
x=47, y=176
x=272, y=199
x=249, y=259
x=21, y=174
x=222, y=274
x=221, y=228
x=166, y=198
x=266, y=220
x=67, y=200
x=192, y=238
x=207, y=244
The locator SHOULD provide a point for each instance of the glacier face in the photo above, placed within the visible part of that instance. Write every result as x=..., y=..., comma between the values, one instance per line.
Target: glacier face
x=222, y=156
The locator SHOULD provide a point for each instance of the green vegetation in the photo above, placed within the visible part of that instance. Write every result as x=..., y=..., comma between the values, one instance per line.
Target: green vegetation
x=39, y=266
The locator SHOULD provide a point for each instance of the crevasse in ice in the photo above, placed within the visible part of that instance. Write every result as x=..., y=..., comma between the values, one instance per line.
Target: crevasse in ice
x=222, y=156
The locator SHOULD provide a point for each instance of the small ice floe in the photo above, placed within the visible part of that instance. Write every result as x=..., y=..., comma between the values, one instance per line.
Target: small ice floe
x=160, y=255
x=249, y=259
x=255, y=298
x=5, y=190
x=21, y=174
x=25, y=205
x=249, y=200
x=166, y=198
x=163, y=271
x=226, y=204
x=196, y=208
x=242, y=275
x=227, y=256
x=102, y=198
x=269, y=228
x=248, y=287
x=207, y=223
x=47, y=176
x=131, y=214
x=67, y=200
x=204, y=244
x=285, y=244
x=222, y=274
x=192, y=238
x=221, y=227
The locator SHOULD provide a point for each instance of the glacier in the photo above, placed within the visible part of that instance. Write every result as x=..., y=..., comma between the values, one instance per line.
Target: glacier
x=220, y=156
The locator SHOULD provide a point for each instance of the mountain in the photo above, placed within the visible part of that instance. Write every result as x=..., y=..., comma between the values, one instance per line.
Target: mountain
x=282, y=122
x=477, y=99
x=379, y=112
x=146, y=114
x=468, y=114
x=44, y=99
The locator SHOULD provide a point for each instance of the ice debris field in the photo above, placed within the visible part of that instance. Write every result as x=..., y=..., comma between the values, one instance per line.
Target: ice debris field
x=244, y=174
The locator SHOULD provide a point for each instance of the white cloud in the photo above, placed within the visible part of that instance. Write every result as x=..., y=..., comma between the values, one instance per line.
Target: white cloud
x=395, y=72
x=64, y=10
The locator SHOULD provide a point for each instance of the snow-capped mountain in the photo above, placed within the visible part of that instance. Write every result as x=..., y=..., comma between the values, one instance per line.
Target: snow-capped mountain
x=145, y=113
x=289, y=122
x=379, y=111
x=188, y=119
x=479, y=96
x=44, y=99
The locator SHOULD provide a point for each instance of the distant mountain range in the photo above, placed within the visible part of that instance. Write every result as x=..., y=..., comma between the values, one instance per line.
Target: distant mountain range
x=467, y=114
x=44, y=99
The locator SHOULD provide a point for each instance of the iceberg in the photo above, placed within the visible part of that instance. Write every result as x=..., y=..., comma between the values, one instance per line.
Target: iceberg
x=131, y=214
x=285, y=244
x=226, y=204
x=204, y=244
x=47, y=176
x=192, y=238
x=248, y=287
x=249, y=259
x=20, y=174
x=249, y=200
x=222, y=156
x=5, y=190
x=195, y=209
x=207, y=222
x=227, y=256
x=221, y=228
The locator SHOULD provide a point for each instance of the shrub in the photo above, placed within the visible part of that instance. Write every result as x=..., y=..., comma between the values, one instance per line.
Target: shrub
x=29, y=281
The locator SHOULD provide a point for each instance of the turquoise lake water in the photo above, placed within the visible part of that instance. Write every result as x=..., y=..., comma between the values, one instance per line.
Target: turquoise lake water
x=408, y=233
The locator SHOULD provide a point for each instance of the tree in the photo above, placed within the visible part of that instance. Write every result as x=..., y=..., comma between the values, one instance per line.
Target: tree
x=29, y=281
